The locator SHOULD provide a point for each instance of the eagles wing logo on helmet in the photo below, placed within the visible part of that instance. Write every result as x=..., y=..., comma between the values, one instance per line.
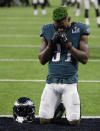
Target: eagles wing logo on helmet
x=24, y=110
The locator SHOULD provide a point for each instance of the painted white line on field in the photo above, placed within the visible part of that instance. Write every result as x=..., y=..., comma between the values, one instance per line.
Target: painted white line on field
x=9, y=80
x=86, y=117
x=94, y=60
x=8, y=116
x=22, y=23
x=4, y=60
x=21, y=17
x=13, y=80
x=97, y=46
x=19, y=60
x=89, y=81
x=20, y=28
x=30, y=45
x=19, y=35
x=20, y=46
x=94, y=36
x=32, y=35
x=27, y=28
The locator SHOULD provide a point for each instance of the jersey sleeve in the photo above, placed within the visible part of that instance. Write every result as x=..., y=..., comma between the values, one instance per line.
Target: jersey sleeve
x=42, y=33
x=85, y=29
x=45, y=32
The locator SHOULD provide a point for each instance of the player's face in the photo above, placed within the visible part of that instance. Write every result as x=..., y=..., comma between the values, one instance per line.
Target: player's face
x=63, y=24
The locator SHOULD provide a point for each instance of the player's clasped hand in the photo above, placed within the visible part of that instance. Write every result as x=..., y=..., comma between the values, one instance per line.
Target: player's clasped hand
x=64, y=41
x=60, y=38
x=63, y=37
x=55, y=39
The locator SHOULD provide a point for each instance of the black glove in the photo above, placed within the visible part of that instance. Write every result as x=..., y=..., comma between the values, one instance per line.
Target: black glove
x=64, y=41
x=63, y=37
x=54, y=40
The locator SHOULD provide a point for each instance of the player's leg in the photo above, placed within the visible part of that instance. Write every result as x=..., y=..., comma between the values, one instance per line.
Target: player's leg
x=43, y=6
x=17, y=2
x=96, y=7
x=63, y=3
x=47, y=3
x=49, y=101
x=35, y=6
x=86, y=12
x=71, y=103
x=73, y=2
x=77, y=13
x=27, y=2
x=99, y=2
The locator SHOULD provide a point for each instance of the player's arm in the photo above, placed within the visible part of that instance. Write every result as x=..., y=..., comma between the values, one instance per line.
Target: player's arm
x=82, y=54
x=45, y=53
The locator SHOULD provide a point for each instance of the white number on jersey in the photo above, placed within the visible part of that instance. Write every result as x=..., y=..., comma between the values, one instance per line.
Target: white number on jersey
x=58, y=54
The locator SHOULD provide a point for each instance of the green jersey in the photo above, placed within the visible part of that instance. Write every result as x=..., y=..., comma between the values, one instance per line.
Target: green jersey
x=63, y=66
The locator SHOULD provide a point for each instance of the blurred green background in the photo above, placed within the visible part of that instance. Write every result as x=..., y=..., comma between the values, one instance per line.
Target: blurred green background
x=19, y=47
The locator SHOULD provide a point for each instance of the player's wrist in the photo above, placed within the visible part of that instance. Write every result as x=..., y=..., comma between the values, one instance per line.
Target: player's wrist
x=51, y=44
x=68, y=45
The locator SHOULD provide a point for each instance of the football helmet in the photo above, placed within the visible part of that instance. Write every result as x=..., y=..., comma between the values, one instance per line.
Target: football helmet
x=59, y=111
x=24, y=110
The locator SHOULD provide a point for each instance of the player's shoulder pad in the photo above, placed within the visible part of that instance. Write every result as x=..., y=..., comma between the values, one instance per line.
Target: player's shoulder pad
x=83, y=28
x=46, y=29
x=47, y=26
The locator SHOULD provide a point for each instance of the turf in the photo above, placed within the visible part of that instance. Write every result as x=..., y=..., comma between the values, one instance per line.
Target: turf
x=19, y=39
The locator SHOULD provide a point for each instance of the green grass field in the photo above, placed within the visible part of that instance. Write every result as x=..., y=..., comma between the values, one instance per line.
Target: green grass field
x=19, y=45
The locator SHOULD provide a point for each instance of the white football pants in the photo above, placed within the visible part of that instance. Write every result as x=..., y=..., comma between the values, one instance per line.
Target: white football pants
x=87, y=4
x=53, y=94
x=36, y=1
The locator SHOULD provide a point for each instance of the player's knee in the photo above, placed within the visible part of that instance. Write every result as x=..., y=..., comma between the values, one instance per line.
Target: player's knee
x=73, y=119
x=45, y=121
x=73, y=116
x=74, y=123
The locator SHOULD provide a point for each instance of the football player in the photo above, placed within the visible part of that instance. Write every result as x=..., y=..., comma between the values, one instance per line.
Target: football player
x=35, y=6
x=77, y=13
x=64, y=2
x=64, y=45
x=87, y=7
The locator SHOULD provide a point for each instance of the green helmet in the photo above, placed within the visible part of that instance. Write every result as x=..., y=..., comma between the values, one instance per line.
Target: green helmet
x=59, y=13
